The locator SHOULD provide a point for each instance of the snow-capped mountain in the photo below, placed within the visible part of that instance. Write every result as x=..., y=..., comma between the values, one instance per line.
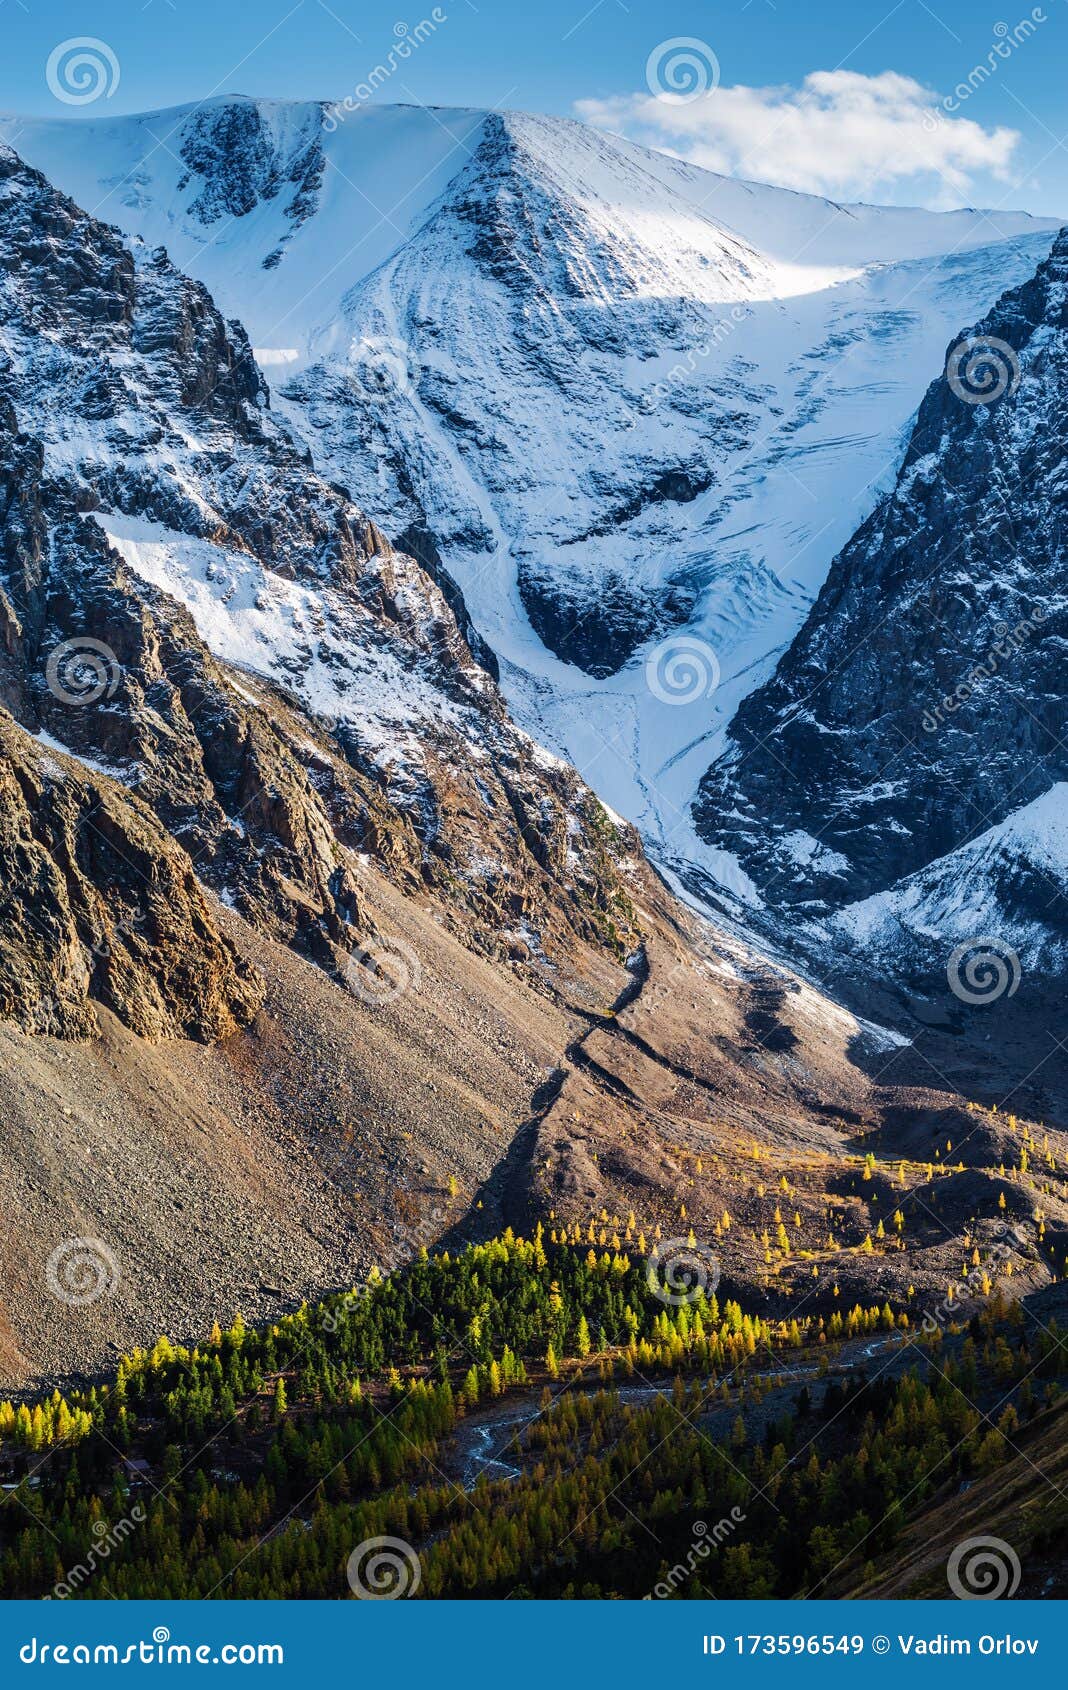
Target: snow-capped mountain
x=609, y=397
x=915, y=732
x=188, y=608
x=295, y=922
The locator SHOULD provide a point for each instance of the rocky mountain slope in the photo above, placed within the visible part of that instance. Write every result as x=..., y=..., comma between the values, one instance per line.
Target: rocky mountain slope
x=259, y=798
x=171, y=1181
x=914, y=732
x=311, y=955
x=1010, y=883
x=99, y=906
x=614, y=398
x=159, y=520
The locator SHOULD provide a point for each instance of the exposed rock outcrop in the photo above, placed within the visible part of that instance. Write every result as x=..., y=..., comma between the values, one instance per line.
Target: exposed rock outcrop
x=97, y=904
x=160, y=527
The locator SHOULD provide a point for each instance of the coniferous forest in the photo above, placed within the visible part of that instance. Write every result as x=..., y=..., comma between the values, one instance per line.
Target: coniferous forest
x=525, y=1418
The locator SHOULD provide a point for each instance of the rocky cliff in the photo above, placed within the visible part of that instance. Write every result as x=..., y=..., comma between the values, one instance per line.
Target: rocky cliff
x=915, y=729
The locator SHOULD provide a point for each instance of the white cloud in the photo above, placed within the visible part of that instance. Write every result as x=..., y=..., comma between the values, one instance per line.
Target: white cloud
x=840, y=134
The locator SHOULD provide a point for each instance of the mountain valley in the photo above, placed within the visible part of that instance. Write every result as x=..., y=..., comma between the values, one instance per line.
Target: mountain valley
x=353, y=903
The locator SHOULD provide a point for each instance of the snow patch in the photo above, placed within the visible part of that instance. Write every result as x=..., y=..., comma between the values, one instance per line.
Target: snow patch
x=320, y=644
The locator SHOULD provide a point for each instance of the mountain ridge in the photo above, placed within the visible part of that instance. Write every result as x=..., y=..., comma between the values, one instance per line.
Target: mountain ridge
x=471, y=1003
x=693, y=515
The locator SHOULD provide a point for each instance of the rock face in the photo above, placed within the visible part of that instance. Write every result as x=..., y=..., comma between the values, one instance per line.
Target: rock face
x=159, y=526
x=923, y=703
x=97, y=904
x=239, y=156
x=976, y=918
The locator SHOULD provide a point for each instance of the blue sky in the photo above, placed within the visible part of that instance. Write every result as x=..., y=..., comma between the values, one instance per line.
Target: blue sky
x=946, y=103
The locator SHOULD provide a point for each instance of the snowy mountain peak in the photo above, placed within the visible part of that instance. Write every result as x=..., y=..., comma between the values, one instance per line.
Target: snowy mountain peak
x=605, y=397
x=590, y=222
x=232, y=183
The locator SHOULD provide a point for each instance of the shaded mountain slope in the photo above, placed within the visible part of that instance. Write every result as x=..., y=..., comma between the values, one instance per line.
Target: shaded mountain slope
x=1021, y=1506
x=923, y=704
